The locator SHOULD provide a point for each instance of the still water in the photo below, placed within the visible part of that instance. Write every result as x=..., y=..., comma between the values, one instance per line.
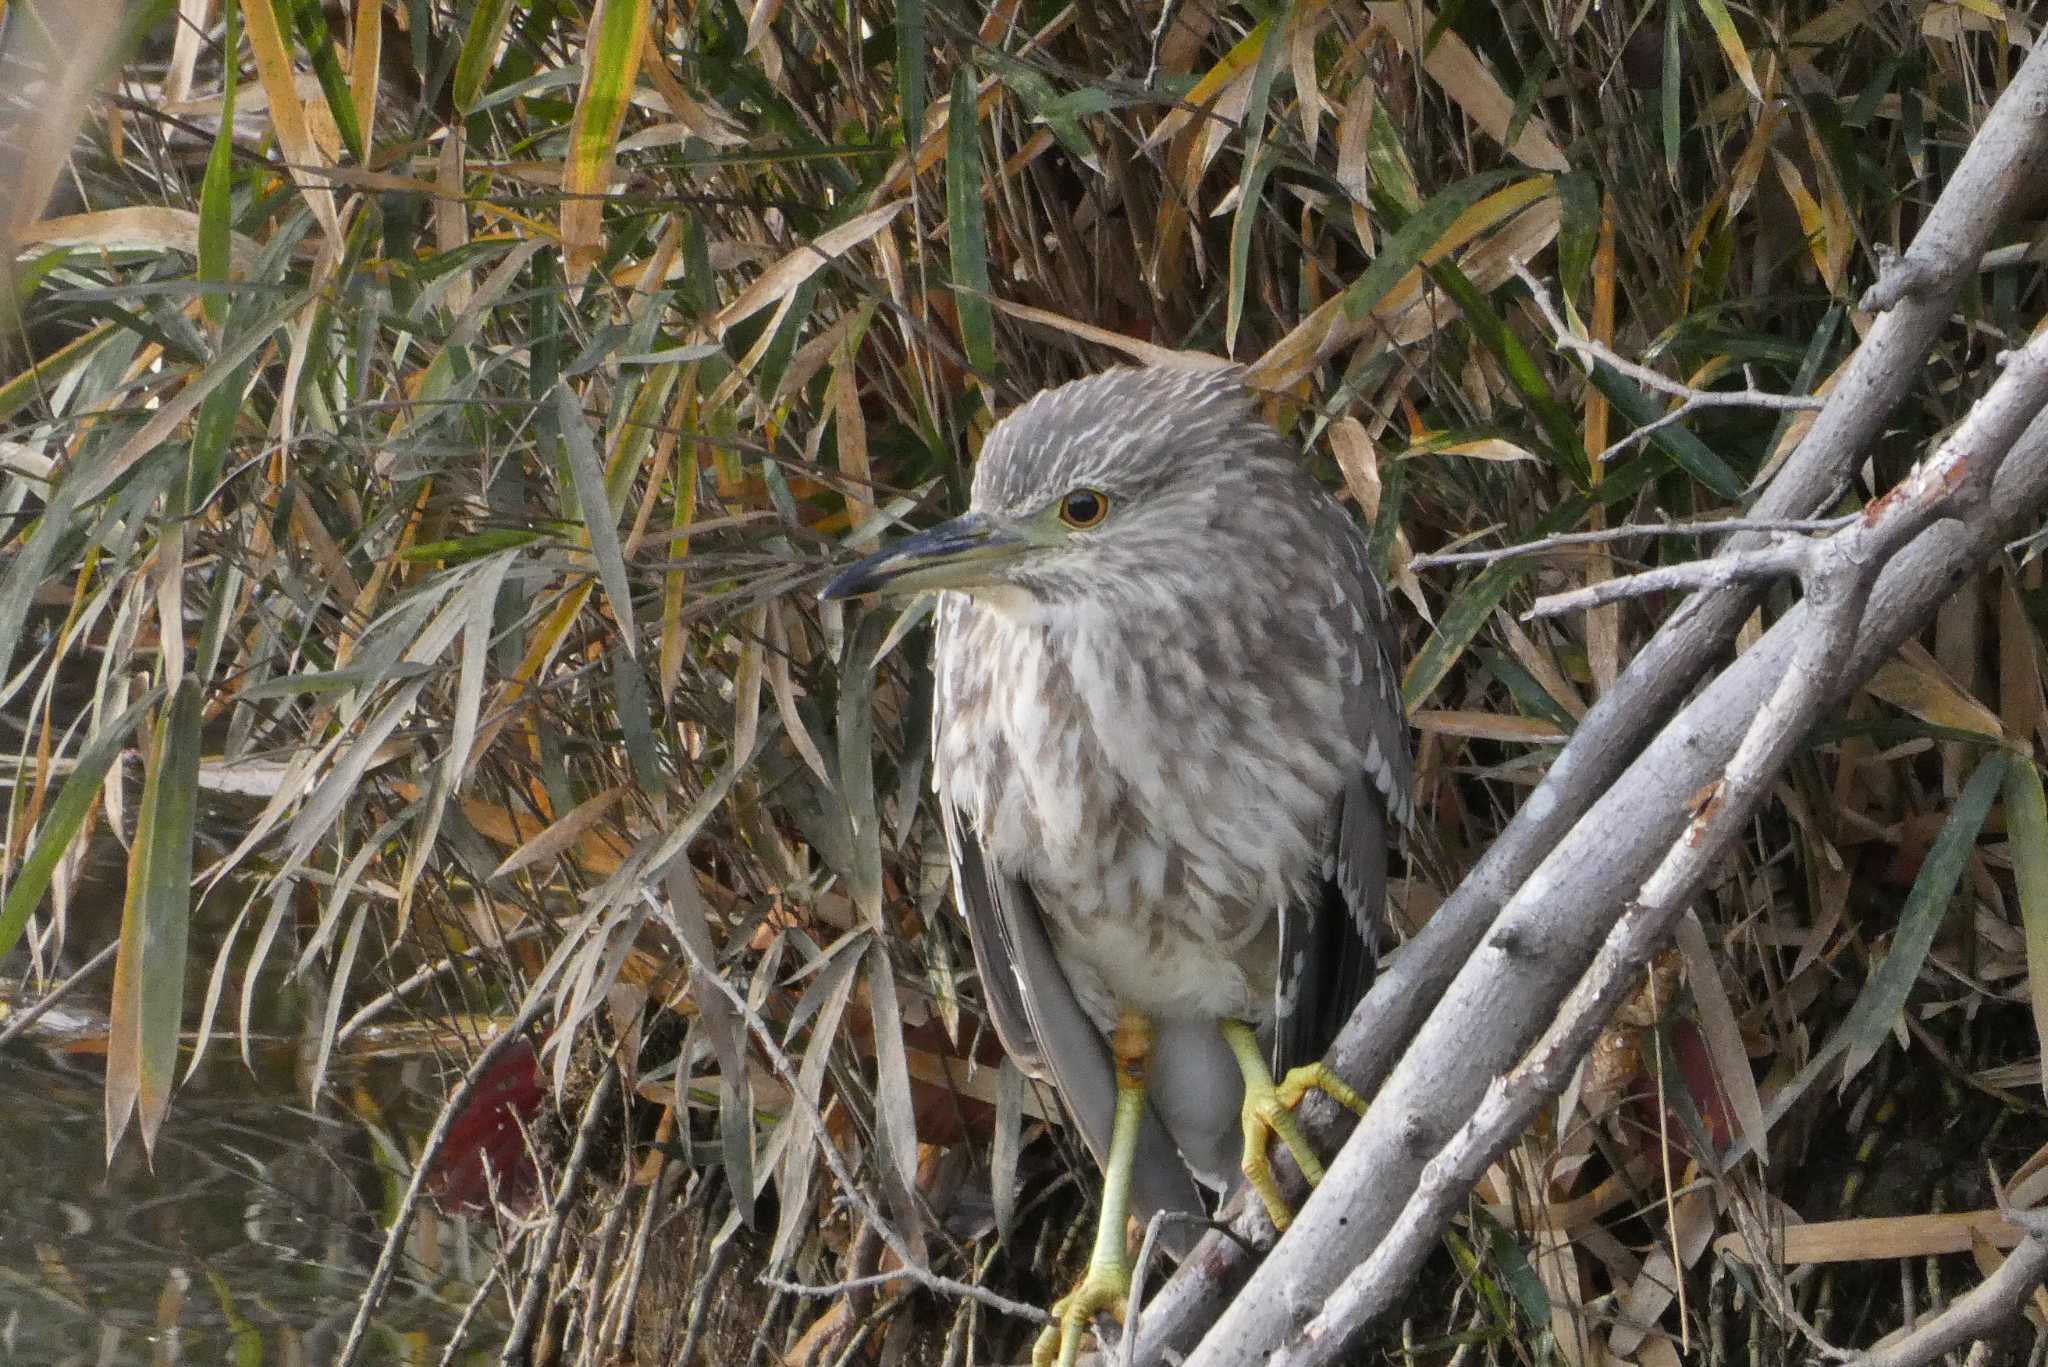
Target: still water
x=250, y=1234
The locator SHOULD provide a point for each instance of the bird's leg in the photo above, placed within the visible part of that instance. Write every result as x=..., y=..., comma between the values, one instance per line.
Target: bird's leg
x=1107, y=1283
x=1269, y=1113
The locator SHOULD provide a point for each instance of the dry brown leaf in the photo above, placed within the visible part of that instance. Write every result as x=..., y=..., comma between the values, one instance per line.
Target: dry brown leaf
x=1881, y=1238
x=780, y=280
x=1914, y=683
x=1488, y=726
x=1464, y=78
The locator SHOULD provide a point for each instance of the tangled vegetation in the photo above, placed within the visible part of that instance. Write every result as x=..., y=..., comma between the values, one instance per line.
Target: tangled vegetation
x=421, y=423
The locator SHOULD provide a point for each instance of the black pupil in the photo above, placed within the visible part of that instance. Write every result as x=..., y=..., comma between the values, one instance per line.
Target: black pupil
x=1083, y=507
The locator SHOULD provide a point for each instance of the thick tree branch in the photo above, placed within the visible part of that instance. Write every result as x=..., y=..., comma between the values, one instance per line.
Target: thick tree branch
x=1551, y=929
x=2010, y=149
x=1838, y=574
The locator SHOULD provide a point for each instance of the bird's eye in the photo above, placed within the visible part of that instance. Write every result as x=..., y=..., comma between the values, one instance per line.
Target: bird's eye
x=1084, y=508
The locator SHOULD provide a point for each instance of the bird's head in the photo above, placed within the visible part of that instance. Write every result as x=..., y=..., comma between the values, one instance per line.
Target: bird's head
x=1096, y=482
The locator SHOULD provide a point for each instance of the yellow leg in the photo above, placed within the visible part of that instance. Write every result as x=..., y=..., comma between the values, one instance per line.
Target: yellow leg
x=1108, y=1281
x=1269, y=1114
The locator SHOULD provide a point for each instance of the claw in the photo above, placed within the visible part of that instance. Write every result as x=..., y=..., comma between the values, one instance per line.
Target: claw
x=1103, y=1291
x=1268, y=1114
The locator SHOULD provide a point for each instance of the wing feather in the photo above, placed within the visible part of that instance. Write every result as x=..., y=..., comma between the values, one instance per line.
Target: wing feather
x=1042, y=1025
x=1330, y=942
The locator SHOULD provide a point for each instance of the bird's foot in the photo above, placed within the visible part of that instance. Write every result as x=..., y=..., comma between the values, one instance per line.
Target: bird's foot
x=1103, y=1291
x=1269, y=1115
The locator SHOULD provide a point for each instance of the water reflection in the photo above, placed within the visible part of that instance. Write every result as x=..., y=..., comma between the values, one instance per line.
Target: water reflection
x=248, y=1241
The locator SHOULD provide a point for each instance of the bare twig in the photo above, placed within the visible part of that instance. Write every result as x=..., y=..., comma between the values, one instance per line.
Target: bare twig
x=1778, y=560
x=1566, y=540
x=383, y=1002
x=1691, y=397
x=840, y=1288
x=29, y=1015
x=1168, y=12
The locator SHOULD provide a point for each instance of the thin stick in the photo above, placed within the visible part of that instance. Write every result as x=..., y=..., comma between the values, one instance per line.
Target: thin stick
x=1779, y=560
x=29, y=1016
x=1657, y=380
x=1566, y=540
x=785, y=1070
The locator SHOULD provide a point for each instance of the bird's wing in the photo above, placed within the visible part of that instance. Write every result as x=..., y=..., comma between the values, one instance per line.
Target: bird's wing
x=1041, y=1023
x=1329, y=944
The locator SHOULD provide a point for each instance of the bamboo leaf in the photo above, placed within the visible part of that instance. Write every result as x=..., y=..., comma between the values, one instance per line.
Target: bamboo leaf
x=1884, y=993
x=966, y=229
x=2026, y=819
x=149, y=971
x=478, y=57
x=894, y=1111
x=799, y=1153
x=600, y=521
x=611, y=64
x=910, y=70
x=65, y=819
x=215, y=191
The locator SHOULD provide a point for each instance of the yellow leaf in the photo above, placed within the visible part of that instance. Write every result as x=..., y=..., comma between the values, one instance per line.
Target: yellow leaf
x=1488, y=726
x=611, y=63
x=781, y=279
x=288, y=116
x=1912, y=682
x=1455, y=68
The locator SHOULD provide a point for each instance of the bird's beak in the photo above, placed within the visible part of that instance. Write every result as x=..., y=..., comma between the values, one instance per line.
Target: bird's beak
x=960, y=554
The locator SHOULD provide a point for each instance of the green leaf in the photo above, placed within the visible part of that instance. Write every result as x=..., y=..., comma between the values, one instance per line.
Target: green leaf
x=64, y=818
x=910, y=71
x=1578, y=229
x=1674, y=71
x=599, y=520
x=1404, y=250
x=966, y=229
x=1870, y=1020
x=1693, y=456
x=1060, y=113
x=311, y=26
x=479, y=47
x=216, y=190
x=470, y=547
x=2026, y=822
x=1563, y=447
x=1250, y=201
x=1884, y=996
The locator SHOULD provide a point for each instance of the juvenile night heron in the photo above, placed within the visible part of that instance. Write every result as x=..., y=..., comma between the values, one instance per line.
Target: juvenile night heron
x=1170, y=751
